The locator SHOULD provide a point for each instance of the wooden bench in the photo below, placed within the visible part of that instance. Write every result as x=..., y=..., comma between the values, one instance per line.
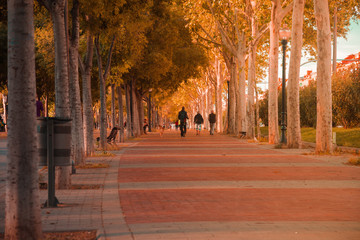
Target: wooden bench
x=242, y=134
x=112, y=135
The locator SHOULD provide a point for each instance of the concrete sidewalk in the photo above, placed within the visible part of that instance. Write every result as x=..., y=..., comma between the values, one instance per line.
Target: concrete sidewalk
x=208, y=187
x=89, y=207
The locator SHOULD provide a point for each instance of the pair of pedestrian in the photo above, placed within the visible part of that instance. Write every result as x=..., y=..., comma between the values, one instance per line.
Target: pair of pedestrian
x=198, y=120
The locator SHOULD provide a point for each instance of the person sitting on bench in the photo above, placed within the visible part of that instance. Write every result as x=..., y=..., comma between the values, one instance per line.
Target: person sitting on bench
x=112, y=135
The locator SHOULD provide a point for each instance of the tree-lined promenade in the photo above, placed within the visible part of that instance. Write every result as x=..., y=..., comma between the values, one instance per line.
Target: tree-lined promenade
x=116, y=63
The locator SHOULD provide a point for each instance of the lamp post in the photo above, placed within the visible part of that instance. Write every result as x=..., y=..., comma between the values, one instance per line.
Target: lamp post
x=285, y=34
x=149, y=111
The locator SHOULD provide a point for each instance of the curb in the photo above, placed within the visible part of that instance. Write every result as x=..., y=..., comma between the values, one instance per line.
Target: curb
x=100, y=234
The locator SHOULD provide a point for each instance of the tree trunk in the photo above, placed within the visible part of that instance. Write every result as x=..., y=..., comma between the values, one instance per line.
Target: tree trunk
x=121, y=114
x=232, y=97
x=22, y=211
x=128, y=110
x=323, y=85
x=251, y=80
x=210, y=107
x=218, y=95
x=103, y=125
x=135, y=109
x=140, y=111
x=242, y=85
x=149, y=114
x=273, y=77
x=293, y=102
x=77, y=133
x=237, y=101
x=47, y=106
x=257, y=115
x=62, y=97
x=113, y=113
x=88, y=114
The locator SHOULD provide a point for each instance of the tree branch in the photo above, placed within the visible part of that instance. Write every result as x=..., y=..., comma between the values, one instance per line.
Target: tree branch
x=212, y=40
x=108, y=64
x=262, y=31
x=286, y=10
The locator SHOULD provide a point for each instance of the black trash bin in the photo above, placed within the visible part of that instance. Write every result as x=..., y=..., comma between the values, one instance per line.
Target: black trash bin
x=61, y=133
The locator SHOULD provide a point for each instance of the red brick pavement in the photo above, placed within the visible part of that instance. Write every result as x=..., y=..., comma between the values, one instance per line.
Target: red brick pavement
x=218, y=204
x=128, y=159
x=237, y=173
x=198, y=151
x=240, y=205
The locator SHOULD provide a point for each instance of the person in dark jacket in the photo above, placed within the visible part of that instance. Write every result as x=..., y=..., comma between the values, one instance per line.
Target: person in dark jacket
x=198, y=120
x=182, y=116
x=212, y=120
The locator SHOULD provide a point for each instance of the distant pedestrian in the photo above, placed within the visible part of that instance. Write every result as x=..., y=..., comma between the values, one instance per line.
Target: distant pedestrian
x=161, y=130
x=182, y=116
x=212, y=120
x=198, y=120
x=146, y=125
x=177, y=124
x=2, y=125
x=39, y=108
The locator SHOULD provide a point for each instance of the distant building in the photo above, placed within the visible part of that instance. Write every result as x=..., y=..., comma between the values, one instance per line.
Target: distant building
x=349, y=62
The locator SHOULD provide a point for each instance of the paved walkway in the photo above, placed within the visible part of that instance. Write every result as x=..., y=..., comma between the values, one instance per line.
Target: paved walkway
x=208, y=187
x=217, y=187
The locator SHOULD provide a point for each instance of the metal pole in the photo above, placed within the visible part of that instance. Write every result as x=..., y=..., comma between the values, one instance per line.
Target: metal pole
x=283, y=124
x=52, y=200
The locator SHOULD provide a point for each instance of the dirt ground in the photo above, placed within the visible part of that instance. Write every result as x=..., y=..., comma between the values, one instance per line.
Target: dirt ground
x=83, y=235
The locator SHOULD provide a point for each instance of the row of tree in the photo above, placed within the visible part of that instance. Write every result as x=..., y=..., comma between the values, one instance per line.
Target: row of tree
x=146, y=46
x=139, y=45
x=238, y=31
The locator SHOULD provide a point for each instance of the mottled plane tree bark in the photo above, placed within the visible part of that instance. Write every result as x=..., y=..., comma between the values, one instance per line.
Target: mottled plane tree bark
x=293, y=102
x=88, y=114
x=323, y=80
x=77, y=133
x=22, y=212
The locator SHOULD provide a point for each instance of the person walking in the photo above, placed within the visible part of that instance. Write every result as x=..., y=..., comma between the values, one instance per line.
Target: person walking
x=198, y=120
x=146, y=125
x=177, y=124
x=182, y=116
x=39, y=108
x=212, y=120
